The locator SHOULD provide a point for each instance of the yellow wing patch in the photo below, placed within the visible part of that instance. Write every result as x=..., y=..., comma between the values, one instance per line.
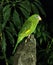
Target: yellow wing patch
x=22, y=34
x=27, y=31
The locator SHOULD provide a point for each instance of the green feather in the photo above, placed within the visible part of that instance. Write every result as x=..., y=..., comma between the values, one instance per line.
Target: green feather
x=28, y=28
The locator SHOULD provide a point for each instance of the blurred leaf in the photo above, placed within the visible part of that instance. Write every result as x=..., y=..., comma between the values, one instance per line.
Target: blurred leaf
x=6, y=8
x=0, y=28
x=38, y=34
x=10, y=37
x=52, y=40
x=26, y=7
x=43, y=28
x=38, y=29
x=6, y=15
x=40, y=8
x=16, y=19
x=50, y=59
x=3, y=43
x=41, y=40
x=34, y=9
x=1, y=13
x=25, y=13
x=38, y=2
x=44, y=36
x=12, y=29
x=1, y=18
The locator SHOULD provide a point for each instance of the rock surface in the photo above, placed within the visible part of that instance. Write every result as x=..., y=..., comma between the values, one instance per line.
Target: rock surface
x=26, y=53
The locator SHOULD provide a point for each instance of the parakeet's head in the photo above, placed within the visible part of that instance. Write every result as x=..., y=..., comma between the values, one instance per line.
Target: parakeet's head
x=36, y=16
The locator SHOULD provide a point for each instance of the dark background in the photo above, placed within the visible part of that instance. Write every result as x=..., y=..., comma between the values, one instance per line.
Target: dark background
x=48, y=6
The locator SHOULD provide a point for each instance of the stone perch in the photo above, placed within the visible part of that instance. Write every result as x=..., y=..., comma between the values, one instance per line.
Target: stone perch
x=26, y=53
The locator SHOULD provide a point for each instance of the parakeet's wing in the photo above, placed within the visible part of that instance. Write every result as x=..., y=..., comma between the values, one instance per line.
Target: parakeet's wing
x=25, y=29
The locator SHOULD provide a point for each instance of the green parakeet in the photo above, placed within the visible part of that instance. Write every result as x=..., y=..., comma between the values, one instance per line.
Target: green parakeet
x=28, y=28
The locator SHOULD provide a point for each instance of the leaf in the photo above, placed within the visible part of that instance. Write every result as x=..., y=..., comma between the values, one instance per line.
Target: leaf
x=52, y=40
x=25, y=13
x=10, y=37
x=6, y=15
x=38, y=34
x=0, y=28
x=34, y=9
x=41, y=40
x=38, y=2
x=1, y=13
x=16, y=19
x=13, y=31
x=40, y=8
x=50, y=59
x=6, y=8
x=26, y=7
x=3, y=43
x=44, y=36
x=1, y=18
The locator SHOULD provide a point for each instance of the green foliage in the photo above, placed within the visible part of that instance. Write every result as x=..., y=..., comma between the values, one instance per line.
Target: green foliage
x=6, y=15
x=44, y=45
x=12, y=16
x=16, y=19
x=3, y=43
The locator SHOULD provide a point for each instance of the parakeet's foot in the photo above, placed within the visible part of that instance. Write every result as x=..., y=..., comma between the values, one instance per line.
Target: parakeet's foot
x=32, y=37
x=26, y=41
x=28, y=38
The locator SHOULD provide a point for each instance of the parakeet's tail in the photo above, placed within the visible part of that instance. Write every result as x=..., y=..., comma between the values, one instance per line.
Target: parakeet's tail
x=15, y=47
x=18, y=41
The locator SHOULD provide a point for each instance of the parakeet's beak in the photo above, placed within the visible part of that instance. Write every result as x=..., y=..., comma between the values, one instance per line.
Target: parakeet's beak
x=39, y=18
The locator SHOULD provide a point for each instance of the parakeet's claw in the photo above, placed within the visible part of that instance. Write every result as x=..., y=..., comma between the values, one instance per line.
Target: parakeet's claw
x=32, y=37
x=26, y=41
x=29, y=36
